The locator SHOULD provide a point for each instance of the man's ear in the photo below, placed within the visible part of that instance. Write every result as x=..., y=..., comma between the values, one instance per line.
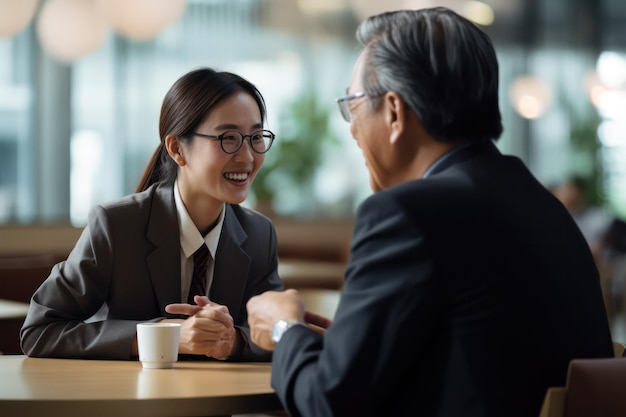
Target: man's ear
x=395, y=115
x=174, y=149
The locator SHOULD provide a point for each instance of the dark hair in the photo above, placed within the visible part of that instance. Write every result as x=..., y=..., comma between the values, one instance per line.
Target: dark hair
x=442, y=65
x=185, y=106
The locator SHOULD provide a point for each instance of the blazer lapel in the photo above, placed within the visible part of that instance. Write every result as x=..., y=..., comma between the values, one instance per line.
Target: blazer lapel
x=231, y=265
x=164, y=261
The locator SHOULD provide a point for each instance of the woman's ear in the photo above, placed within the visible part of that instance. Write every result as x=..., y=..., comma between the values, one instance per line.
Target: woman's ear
x=174, y=149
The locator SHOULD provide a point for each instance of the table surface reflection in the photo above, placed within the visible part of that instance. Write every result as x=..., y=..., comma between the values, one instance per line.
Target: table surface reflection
x=72, y=387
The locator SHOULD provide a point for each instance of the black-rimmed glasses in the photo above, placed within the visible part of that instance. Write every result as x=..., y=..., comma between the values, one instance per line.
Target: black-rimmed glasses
x=343, y=102
x=232, y=140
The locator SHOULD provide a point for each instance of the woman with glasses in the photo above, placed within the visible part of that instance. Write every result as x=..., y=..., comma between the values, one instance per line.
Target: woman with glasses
x=181, y=248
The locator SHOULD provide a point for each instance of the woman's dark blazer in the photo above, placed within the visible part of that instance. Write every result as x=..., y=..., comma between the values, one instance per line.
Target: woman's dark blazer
x=125, y=268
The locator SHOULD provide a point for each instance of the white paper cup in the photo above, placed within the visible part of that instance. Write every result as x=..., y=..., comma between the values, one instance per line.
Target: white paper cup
x=158, y=344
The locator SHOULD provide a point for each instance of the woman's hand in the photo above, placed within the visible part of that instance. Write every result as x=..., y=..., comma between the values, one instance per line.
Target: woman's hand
x=209, y=329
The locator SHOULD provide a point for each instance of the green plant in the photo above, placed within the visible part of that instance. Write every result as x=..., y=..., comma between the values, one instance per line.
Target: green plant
x=302, y=138
x=586, y=158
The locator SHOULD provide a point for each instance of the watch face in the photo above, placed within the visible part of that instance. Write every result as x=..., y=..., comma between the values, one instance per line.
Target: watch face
x=278, y=330
x=281, y=327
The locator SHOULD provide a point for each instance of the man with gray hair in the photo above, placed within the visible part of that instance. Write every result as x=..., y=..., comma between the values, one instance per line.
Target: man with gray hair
x=469, y=287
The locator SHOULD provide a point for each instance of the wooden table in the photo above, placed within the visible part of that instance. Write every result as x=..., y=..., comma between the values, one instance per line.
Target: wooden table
x=69, y=387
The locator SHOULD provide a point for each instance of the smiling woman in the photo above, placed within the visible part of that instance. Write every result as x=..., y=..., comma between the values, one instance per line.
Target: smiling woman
x=211, y=172
x=136, y=259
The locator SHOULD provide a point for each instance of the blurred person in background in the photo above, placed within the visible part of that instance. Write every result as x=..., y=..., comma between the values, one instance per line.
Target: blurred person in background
x=592, y=221
x=614, y=255
x=469, y=287
x=606, y=235
x=134, y=262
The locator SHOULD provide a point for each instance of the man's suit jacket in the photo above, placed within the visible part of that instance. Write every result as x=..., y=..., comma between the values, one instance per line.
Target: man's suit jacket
x=466, y=294
x=125, y=268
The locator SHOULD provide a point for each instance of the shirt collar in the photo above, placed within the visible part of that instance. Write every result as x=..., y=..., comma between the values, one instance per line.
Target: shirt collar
x=443, y=158
x=190, y=237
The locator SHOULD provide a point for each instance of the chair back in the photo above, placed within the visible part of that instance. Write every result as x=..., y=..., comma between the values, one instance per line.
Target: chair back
x=619, y=349
x=595, y=387
x=20, y=276
x=590, y=383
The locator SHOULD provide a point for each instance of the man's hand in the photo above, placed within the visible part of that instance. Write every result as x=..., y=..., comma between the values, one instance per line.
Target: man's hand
x=266, y=309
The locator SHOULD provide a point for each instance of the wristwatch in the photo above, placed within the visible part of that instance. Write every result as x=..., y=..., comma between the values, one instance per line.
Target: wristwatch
x=282, y=326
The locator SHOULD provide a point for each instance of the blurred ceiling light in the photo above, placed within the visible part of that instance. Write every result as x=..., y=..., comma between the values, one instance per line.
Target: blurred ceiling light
x=529, y=96
x=478, y=12
x=611, y=104
x=363, y=9
x=16, y=15
x=142, y=20
x=70, y=29
x=320, y=7
x=595, y=88
x=423, y=4
x=611, y=133
x=366, y=8
x=611, y=68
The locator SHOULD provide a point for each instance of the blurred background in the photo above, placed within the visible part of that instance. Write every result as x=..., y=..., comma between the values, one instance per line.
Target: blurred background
x=82, y=81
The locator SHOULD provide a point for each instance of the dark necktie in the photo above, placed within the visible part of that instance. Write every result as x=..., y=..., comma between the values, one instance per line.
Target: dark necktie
x=198, y=281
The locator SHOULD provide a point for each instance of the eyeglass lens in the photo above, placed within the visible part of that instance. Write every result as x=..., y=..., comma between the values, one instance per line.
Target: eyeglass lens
x=344, y=109
x=260, y=141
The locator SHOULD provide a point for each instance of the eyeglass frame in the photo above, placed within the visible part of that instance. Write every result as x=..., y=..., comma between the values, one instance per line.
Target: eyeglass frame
x=343, y=102
x=243, y=139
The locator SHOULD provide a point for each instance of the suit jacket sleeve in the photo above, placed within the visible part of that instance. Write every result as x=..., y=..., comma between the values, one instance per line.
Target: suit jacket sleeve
x=268, y=281
x=348, y=370
x=75, y=290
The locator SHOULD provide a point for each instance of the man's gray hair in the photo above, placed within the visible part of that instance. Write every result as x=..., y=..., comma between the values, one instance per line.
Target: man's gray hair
x=441, y=64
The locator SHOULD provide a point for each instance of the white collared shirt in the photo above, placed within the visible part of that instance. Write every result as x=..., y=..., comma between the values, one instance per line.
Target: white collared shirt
x=190, y=240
